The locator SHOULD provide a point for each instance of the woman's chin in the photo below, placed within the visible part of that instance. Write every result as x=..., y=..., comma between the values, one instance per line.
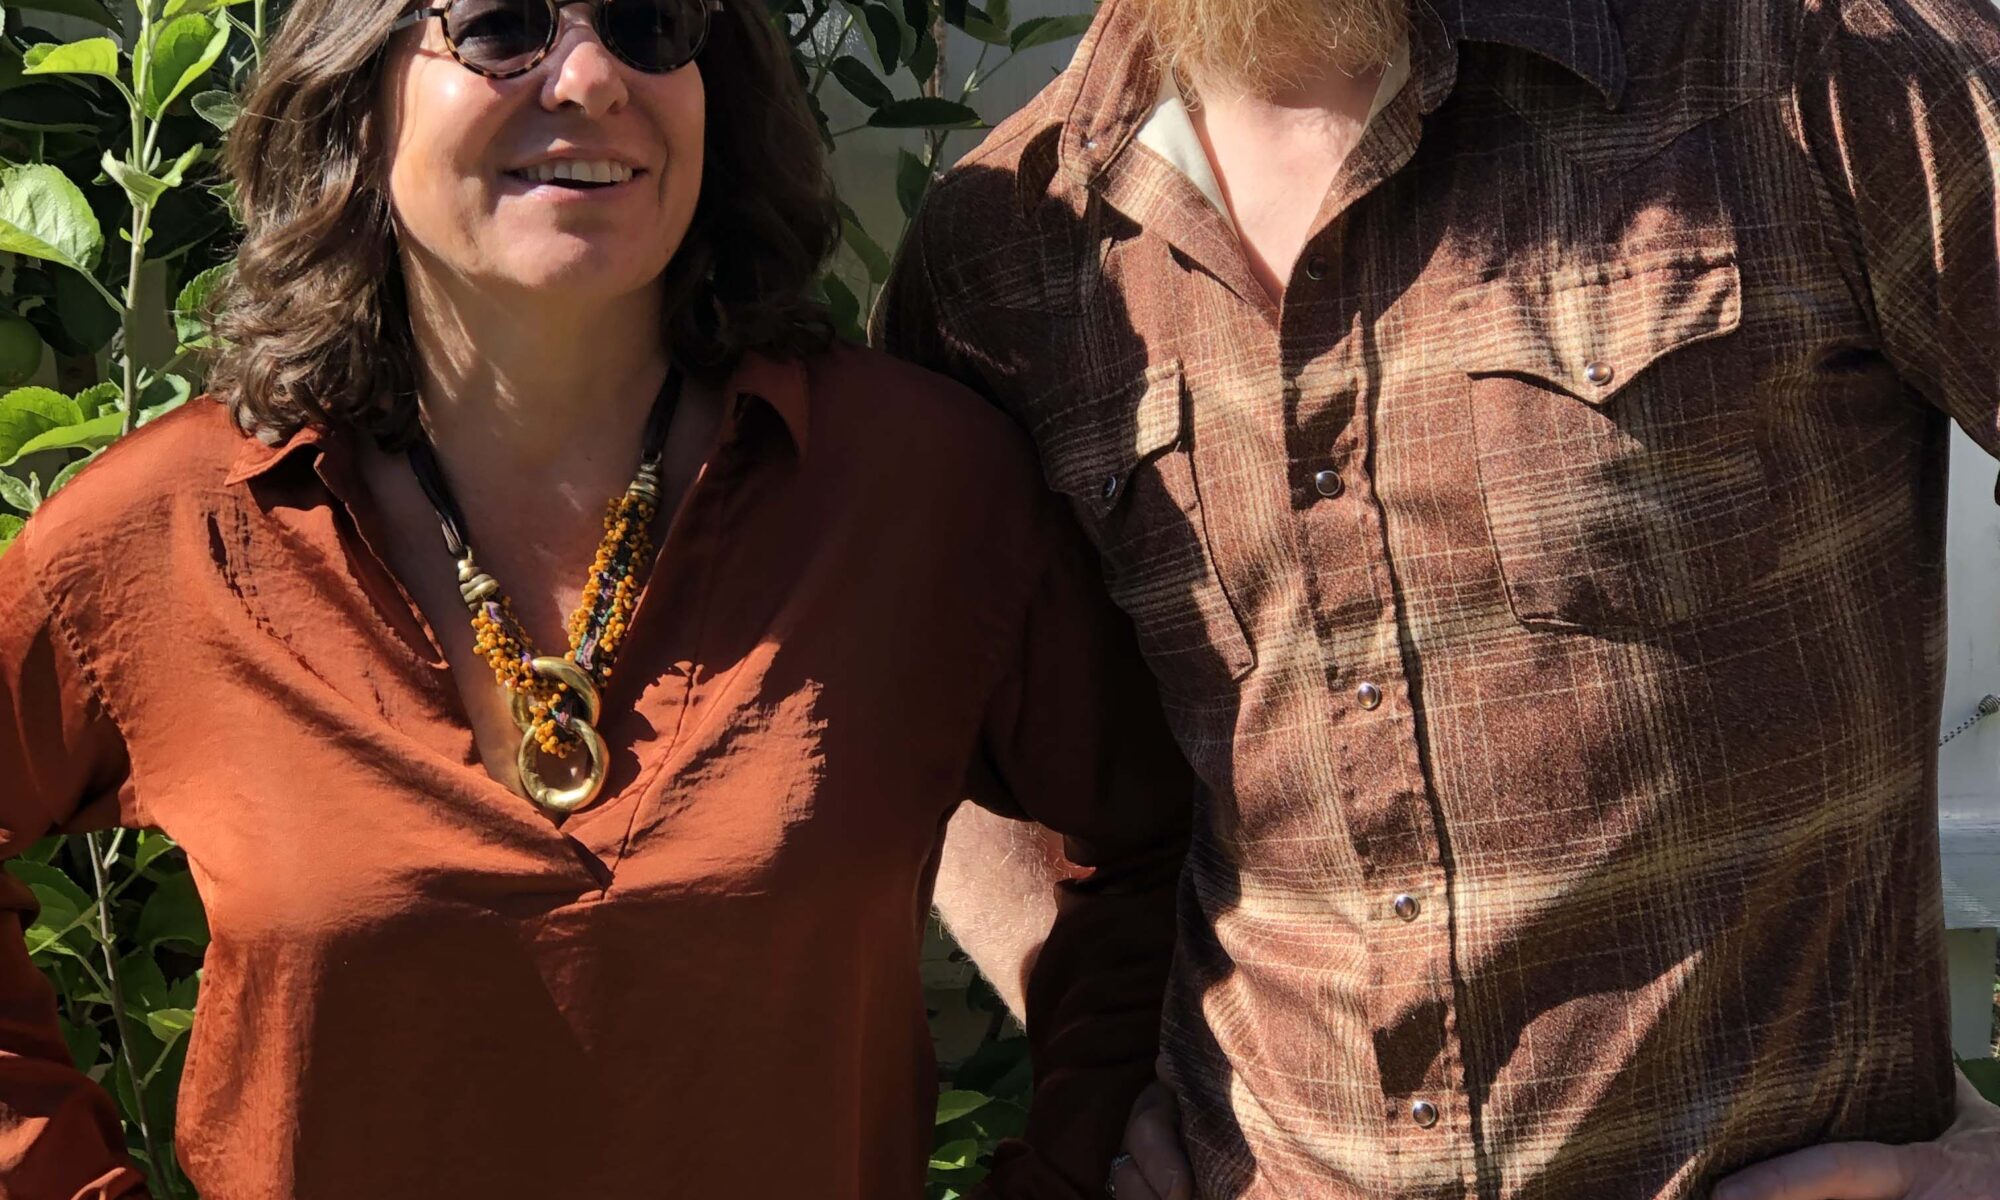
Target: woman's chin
x=573, y=271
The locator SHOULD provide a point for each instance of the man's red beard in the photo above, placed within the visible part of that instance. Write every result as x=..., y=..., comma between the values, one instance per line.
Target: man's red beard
x=1266, y=46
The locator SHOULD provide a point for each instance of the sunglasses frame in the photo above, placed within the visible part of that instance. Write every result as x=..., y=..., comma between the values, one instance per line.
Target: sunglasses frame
x=418, y=16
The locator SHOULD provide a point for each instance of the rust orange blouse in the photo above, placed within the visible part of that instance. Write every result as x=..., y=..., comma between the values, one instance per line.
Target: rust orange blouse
x=868, y=609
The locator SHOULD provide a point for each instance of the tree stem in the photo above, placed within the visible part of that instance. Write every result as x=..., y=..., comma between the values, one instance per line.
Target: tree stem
x=109, y=945
x=142, y=216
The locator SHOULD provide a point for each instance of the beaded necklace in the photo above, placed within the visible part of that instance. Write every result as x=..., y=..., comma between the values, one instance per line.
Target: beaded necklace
x=556, y=701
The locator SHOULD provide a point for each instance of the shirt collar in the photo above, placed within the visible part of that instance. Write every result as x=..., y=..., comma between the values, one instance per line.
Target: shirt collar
x=1579, y=35
x=778, y=384
x=1112, y=84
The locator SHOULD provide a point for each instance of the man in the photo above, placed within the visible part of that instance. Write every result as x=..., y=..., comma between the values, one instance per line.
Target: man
x=1517, y=429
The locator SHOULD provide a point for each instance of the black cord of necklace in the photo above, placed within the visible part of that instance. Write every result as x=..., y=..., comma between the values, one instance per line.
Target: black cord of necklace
x=451, y=519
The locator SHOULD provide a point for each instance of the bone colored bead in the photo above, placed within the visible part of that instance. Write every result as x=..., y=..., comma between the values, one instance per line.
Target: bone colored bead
x=478, y=590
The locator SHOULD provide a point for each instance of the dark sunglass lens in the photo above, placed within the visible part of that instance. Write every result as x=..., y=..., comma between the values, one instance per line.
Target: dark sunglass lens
x=498, y=35
x=654, y=35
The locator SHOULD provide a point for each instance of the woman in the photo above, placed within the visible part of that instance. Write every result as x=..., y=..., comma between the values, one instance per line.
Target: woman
x=491, y=919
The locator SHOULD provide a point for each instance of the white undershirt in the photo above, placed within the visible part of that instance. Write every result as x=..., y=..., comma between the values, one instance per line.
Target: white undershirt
x=1169, y=131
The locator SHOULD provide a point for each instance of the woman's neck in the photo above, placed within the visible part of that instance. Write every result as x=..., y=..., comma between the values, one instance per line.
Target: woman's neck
x=525, y=392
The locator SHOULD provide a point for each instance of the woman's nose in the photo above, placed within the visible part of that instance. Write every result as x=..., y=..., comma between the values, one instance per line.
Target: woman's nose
x=581, y=70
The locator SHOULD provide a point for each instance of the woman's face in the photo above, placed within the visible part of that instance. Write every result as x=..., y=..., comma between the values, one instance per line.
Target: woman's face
x=470, y=160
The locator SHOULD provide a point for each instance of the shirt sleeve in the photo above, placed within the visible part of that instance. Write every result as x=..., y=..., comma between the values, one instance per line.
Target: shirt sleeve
x=1899, y=106
x=62, y=769
x=913, y=317
x=1075, y=739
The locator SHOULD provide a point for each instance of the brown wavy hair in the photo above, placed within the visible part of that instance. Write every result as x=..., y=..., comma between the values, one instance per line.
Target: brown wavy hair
x=313, y=316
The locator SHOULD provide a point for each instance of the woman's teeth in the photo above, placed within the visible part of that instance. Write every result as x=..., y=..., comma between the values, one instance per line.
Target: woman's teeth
x=576, y=171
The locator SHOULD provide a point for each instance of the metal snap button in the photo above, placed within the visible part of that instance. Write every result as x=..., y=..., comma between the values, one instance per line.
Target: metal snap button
x=1328, y=484
x=1369, y=696
x=1407, y=907
x=1424, y=1113
x=1316, y=268
x=1598, y=372
x=1110, y=487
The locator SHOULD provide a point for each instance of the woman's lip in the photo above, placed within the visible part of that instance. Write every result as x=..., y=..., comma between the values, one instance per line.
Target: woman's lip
x=519, y=178
x=554, y=192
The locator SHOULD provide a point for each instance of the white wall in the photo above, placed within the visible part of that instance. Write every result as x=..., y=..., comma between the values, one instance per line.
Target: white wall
x=1969, y=767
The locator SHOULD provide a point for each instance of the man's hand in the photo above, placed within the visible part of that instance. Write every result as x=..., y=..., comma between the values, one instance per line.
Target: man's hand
x=1964, y=1164
x=1153, y=1165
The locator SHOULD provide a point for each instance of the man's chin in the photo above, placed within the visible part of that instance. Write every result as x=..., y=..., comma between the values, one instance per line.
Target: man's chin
x=1271, y=47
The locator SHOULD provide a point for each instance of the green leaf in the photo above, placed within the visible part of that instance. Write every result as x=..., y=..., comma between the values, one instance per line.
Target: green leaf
x=162, y=396
x=10, y=528
x=168, y=1024
x=924, y=112
x=842, y=306
x=15, y=493
x=953, y=1155
x=152, y=844
x=991, y=26
x=913, y=179
x=71, y=471
x=52, y=879
x=59, y=926
x=173, y=914
x=87, y=322
x=953, y=1105
x=923, y=57
x=175, y=8
x=144, y=190
x=28, y=412
x=84, y=1043
x=191, y=308
x=185, y=991
x=182, y=52
x=50, y=108
x=882, y=30
x=98, y=398
x=1984, y=1074
x=219, y=109
x=177, y=170
x=43, y=215
x=91, y=56
x=88, y=10
x=865, y=249
x=94, y=434
x=1040, y=31
x=142, y=983
x=861, y=82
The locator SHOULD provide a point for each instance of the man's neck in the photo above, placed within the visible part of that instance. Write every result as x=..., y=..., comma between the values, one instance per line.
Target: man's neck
x=1276, y=154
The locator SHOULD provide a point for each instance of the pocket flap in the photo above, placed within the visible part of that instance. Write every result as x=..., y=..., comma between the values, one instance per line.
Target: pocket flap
x=1094, y=464
x=1590, y=330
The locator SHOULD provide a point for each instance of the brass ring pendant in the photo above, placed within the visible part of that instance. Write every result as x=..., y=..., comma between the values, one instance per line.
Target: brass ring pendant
x=571, y=676
x=554, y=800
x=563, y=801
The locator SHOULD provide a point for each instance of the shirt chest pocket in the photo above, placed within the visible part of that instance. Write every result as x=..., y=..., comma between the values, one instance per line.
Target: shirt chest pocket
x=1620, y=455
x=1127, y=466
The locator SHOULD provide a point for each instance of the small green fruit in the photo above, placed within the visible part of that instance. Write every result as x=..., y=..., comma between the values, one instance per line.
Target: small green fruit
x=20, y=350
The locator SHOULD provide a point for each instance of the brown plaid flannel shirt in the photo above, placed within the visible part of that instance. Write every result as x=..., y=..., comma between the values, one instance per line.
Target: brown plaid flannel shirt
x=1550, y=591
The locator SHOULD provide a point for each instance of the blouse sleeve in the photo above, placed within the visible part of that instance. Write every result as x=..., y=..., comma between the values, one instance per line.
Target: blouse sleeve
x=1075, y=739
x=62, y=769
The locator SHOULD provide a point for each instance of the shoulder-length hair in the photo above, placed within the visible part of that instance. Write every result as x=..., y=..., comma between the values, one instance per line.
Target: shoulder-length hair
x=313, y=316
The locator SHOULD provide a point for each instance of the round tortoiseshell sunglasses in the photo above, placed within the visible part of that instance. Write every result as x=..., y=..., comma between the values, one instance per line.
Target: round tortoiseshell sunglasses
x=504, y=38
